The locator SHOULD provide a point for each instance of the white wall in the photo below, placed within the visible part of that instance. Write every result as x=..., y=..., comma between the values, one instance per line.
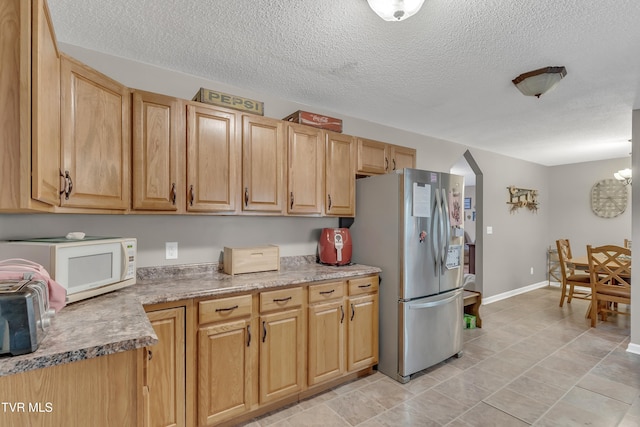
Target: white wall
x=570, y=205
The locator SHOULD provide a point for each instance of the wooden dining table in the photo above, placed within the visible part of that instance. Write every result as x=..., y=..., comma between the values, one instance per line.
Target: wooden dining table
x=582, y=262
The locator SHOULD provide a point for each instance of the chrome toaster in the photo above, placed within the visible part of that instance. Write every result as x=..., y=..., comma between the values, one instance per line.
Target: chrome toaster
x=25, y=315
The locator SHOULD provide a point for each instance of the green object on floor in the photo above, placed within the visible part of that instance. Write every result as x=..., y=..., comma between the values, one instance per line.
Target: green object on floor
x=469, y=321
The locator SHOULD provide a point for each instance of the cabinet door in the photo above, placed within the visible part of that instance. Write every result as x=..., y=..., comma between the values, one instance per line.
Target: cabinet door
x=340, y=176
x=96, y=139
x=305, y=155
x=372, y=157
x=281, y=354
x=262, y=164
x=45, y=108
x=363, y=332
x=326, y=350
x=224, y=371
x=158, y=140
x=212, y=160
x=166, y=369
x=402, y=157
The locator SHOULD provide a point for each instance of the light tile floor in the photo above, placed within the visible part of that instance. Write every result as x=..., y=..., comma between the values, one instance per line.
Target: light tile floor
x=532, y=363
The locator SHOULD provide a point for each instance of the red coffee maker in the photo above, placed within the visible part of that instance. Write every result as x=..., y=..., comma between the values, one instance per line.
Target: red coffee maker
x=334, y=247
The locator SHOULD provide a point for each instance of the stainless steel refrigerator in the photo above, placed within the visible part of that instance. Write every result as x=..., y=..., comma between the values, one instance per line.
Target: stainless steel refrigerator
x=410, y=224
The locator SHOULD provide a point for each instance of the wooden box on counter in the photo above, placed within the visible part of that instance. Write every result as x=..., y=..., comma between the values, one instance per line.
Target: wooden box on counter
x=315, y=120
x=251, y=259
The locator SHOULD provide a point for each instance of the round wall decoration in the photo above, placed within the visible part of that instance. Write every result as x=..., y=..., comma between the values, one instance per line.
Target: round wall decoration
x=608, y=198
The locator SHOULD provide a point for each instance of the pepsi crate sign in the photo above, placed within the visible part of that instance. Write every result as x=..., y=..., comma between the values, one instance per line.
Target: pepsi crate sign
x=222, y=99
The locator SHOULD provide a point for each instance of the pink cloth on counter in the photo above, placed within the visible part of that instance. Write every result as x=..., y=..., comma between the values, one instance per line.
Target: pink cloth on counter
x=16, y=268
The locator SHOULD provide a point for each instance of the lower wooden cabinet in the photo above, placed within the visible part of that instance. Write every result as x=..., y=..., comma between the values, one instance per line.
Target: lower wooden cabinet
x=224, y=379
x=164, y=383
x=363, y=323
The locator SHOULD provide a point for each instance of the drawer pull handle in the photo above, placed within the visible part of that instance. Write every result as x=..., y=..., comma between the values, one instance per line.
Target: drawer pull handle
x=192, y=195
x=246, y=196
x=264, y=331
x=172, y=193
x=226, y=309
x=248, y=335
x=368, y=285
x=149, y=355
x=327, y=292
x=342, y=316
x=281, y=299
x=353, y=311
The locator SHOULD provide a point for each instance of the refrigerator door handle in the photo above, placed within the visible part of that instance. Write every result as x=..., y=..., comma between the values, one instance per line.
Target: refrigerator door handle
x=447, y=229
x=434, y=303
x=441, y=224
x=435, y=224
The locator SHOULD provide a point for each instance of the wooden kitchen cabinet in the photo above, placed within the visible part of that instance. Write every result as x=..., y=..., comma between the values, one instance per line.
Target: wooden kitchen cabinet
x=95, y=138
x=305, y=155
x=326, y=353
x=101, y=392
x=282, y=344
x=340, y=161
x=158, y=147
x=375, y=157
x=262, y=165
x=362, y=304
x=165, y=370
x=225, y=359
x=213, y=159
x=30, y=108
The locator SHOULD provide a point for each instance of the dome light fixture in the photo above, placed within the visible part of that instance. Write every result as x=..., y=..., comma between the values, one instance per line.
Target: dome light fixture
x=395, y=10
x=537, y=82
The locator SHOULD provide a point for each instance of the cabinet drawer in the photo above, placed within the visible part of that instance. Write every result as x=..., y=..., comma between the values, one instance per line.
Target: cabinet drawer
x=224, y=309
x=363, y=285
x=277, y=300
x=326, y=291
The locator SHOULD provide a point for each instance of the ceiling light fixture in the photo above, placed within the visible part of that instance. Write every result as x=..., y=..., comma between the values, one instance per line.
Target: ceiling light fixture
x=537, y=82
x=395, y=10
x=623, y=175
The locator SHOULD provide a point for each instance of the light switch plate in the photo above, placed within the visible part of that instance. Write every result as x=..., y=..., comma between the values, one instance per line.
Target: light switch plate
x=171, y=250
x=489, y=230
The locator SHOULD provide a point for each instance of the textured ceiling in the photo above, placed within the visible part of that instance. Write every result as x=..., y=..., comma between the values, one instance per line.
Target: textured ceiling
x=445, y=72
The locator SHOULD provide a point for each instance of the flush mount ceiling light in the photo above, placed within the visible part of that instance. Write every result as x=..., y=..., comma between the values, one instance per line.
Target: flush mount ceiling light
x=624, y=176
x=395, y=10
x=537, y=82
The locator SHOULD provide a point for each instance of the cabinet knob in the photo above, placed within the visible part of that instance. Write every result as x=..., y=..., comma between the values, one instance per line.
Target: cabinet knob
x=67, y=185
x=329, y=202
x=172, y=193
x=192, y=195
x=246, y=196
x=292, y=200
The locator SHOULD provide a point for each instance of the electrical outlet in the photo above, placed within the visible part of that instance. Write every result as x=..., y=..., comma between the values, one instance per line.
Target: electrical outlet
x=532, y=270
x=171, y=250
x=489, y=229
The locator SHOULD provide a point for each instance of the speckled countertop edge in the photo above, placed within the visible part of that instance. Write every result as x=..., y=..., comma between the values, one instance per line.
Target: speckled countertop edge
x=117, y=322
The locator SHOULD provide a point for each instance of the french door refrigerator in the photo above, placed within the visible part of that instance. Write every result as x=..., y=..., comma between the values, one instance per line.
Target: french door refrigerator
x=410, y=224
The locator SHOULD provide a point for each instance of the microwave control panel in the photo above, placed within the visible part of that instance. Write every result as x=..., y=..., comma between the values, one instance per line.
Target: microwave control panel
x=130, y=253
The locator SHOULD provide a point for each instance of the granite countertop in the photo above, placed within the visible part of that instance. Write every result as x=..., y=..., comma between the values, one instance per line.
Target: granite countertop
x=117, y=322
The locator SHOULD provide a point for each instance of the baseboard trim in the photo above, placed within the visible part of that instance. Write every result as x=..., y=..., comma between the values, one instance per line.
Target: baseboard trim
x=633, y=348
x=508, y=294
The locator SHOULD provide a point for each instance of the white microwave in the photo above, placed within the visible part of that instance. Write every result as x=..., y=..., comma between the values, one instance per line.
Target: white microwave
x=86, y=268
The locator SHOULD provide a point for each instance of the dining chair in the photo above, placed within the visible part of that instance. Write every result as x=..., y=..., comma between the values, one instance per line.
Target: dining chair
x=610, y=271
x=627, y=243
x=570, y=277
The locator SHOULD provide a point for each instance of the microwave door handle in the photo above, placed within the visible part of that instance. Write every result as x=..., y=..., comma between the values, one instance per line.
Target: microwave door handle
x=124, y=260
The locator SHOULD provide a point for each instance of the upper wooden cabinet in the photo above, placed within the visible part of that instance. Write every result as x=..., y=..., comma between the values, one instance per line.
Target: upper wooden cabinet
x=213, y=159
x=30, y=107
x=262, y=165
x=340, y=159
x=375, y=157
x=96, y=138
x=305, y=159
x=158, y=140
x=402, y=157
